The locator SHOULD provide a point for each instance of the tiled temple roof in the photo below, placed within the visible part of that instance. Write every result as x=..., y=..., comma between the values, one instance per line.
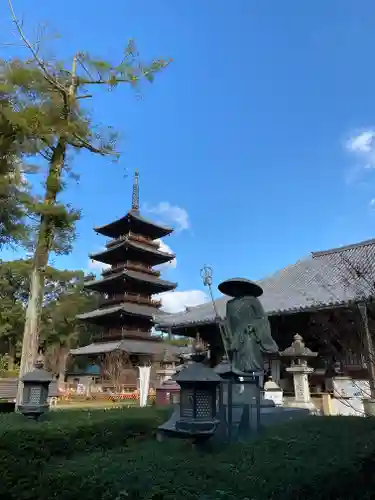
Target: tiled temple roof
x=324, y=279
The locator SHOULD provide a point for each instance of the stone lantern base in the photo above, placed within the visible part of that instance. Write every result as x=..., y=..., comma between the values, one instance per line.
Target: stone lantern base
x=369, y=407
x=31, y=411
x=302, y=404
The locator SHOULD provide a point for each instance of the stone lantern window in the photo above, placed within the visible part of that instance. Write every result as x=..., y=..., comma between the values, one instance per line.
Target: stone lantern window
x=198, y=397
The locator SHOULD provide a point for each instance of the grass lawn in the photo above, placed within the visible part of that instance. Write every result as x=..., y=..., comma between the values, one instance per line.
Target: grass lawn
x=113, y=455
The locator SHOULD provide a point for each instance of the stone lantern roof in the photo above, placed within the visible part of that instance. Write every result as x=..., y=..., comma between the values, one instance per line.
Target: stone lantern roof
x=38, y=374
x=197, y=372
x=298, y=349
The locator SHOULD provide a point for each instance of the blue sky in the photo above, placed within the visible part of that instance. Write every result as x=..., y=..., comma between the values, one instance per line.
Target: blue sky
x=258, y=138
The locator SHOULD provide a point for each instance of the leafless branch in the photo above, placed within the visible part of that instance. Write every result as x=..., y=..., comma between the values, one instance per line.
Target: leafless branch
x=86, y=96
x=34, y=52
x=8, y=44
x=45, y=155
x=117, y=368
x=83, y=66
x=83, y=144
x=101, y=81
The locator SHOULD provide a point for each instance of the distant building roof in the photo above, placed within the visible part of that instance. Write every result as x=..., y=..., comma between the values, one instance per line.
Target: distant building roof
x=324, y=279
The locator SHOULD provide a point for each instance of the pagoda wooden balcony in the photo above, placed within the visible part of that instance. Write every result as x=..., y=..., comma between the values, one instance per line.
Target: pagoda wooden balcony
x=132, y=237
x=144, y=240
x=120, y=333
x=129, y=297
x=132, y=266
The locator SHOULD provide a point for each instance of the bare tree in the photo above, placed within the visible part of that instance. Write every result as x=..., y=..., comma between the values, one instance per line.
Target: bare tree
x=117, y=368
x=351, y=279
x=55, y=359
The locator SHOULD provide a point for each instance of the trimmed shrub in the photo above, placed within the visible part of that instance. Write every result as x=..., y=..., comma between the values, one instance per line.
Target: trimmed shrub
x=317, y=459
x=7, y=406
x=9, y=373
x=26, y=446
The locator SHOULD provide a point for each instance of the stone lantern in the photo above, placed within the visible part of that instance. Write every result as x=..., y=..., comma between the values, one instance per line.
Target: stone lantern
x=198, y=397
x=298, y=354
x=35, y=392
x=197, y=415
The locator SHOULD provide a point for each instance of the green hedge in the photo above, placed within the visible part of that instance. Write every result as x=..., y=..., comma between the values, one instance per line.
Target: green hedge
x=26, y=446
x=9, y=373
x=318, y=459
x=103, y=455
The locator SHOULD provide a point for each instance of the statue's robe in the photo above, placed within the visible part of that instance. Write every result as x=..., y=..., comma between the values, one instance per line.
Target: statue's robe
x=250, y=333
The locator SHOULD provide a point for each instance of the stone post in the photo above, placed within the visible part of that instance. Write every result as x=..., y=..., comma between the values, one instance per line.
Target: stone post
x=144, y=381
x=167, y=368
x=302, y=395
x=298, y=354
x=275, y=370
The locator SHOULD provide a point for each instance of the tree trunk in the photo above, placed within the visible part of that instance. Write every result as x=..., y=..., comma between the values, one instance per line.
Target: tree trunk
x=30, y=343
x=62, y=363
x=369, y=348
x=11, y=355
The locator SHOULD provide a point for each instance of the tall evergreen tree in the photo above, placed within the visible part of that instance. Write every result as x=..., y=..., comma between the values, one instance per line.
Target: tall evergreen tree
x=14, y=195
x=46, y=98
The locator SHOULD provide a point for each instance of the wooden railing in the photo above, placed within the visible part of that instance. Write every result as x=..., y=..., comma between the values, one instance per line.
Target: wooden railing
x=132, y=237
x=143, y=239
x=132, y=266
x=119, y=333
x=130, y=297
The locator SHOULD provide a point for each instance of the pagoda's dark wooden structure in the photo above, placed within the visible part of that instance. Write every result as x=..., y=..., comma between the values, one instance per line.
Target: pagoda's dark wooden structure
x=127, y=287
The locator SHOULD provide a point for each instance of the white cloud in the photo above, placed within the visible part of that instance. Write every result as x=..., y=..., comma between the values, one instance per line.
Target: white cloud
x=167, y=249
x=362, y=147
x=93, y=266
x=372, y=204
x=173, y=302
x=362, y=143
x=172, y=215
x=97, y=266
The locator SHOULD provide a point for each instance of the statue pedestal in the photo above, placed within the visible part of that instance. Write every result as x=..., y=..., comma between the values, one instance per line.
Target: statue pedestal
x=273, y=392
x=249, y=394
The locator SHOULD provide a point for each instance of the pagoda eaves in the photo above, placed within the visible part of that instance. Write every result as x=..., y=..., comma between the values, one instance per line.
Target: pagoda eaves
x=130, y=250
x=134, y=222
x=101, y=315
x=118, y=281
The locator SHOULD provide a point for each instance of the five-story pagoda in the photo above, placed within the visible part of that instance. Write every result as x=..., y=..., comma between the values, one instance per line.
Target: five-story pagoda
x=127, y=307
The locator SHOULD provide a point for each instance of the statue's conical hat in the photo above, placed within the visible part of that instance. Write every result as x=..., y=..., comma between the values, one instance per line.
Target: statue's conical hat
x=240, y=287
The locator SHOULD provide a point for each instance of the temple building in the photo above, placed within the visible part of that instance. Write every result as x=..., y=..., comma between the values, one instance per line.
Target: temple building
x=327, y=297
x=125, y=317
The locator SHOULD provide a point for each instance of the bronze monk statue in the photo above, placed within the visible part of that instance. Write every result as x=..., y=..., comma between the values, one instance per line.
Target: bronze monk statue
x=248, y=328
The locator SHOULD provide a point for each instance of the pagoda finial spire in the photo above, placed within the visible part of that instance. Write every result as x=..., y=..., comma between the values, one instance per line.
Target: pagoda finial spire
x=135, y=195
